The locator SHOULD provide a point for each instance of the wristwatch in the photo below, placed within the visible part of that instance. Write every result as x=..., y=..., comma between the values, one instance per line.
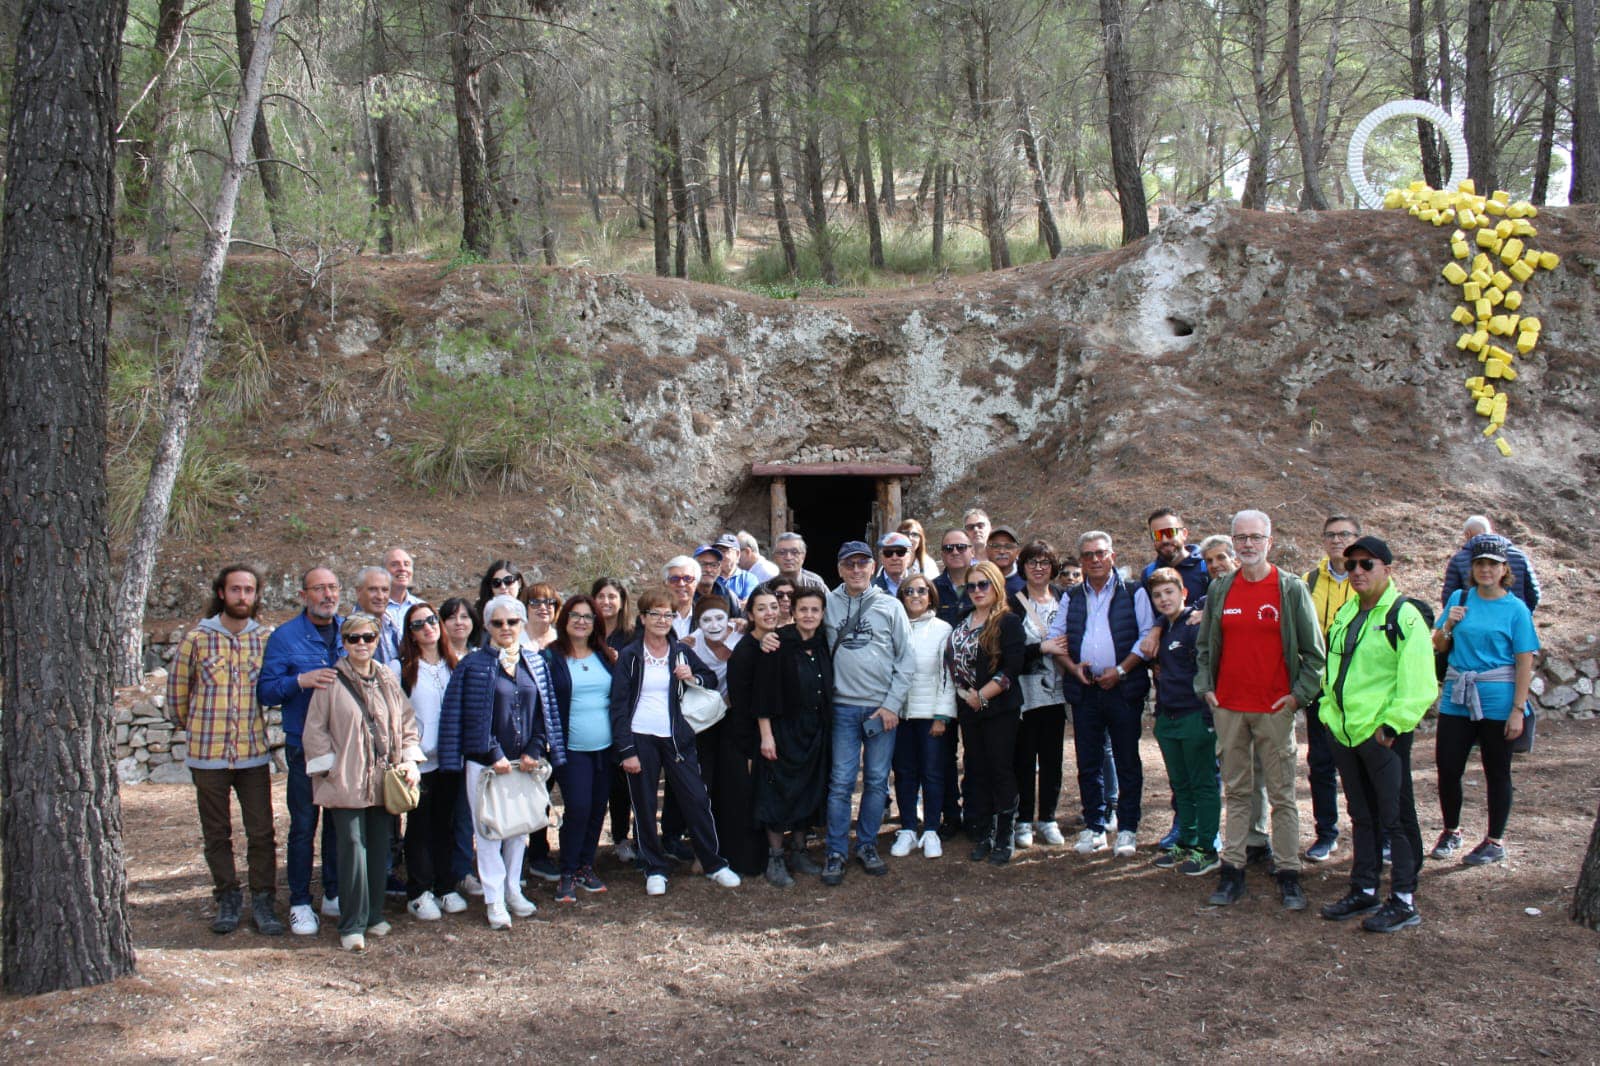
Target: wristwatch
x=1121, y=672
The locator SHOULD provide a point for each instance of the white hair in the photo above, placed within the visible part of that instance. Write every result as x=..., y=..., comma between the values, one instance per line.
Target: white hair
x=1475, y=525
x=504, y=603
x=681, y=562
x=367, y=571
x=1259, y=516
x=1093, y=535
x=1215, y=541
x=748, y=541
x=790, y=536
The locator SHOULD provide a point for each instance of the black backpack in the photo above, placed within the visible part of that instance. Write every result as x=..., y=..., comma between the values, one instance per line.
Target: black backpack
x=1391, y=629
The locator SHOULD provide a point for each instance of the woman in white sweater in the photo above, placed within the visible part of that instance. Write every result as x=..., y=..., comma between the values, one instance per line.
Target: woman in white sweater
x=926, y=726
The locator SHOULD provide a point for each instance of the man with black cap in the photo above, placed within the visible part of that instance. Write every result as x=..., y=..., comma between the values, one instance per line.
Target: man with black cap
x=1379, y=683
x=1002, y=547
x=869, y=637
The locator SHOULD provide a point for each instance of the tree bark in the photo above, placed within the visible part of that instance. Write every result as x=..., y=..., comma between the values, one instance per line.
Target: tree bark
x=780, y=212
x=1041, y=190
x=1120, y=119
x=1552, y=103
x=874, y=225
x=852, y=191
x=260, y=138
x=477, y=209
x=1264, y=91
x=818, y=43
x=152, y=521
x=938, y=211
x=384, y=147
x=886, y=194
x=147, y=182
x=1586, y=106
x=1311, y=198
x=1479, y=100
x=1431, y=171
x=64, y=908
x=1586, y=898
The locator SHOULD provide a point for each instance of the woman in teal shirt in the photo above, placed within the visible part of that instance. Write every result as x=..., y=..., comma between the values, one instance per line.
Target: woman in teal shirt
x=580, y=669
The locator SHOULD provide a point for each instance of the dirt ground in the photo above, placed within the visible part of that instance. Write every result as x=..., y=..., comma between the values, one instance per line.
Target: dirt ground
x=1057, y=957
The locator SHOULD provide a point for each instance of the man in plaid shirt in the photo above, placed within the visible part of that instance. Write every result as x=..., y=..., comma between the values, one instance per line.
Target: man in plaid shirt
x=211, y=690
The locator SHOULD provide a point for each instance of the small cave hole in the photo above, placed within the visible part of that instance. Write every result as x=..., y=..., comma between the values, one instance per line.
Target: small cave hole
x=1181, y=327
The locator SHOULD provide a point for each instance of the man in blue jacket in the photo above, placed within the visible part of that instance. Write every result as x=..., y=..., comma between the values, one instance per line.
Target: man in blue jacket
x=299, y=659
x=1458, y=572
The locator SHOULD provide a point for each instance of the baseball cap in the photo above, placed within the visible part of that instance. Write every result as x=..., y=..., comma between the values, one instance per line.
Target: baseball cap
x=1489, y=546
x=708, y=549
x=1006, y=531
x=853, y=547
x=1373, y=547
x=894, y=540
x=728, y=542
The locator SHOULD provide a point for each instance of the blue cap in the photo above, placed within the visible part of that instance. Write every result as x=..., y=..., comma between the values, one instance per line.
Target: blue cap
x=708, y=549
x=853, y=547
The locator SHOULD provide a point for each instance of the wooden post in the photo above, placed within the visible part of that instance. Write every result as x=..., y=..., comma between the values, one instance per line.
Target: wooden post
x=780, y=510
x=891, y=510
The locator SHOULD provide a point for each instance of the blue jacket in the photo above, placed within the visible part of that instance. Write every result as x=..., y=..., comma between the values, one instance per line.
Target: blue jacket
x=1124, y=622
x=1191, y=567
x=1176, y=667
x=627, y=679
x=294, y=648
x=561, y=681
x=1458, y=575
x=953, y=602
x=469, y=727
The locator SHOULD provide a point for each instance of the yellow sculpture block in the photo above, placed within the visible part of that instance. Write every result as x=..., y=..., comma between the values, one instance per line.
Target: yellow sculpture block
x=1494, y=369
x=1487, y=238
x=1453, y=273
x=1501, y=281
x=1485, y=407
x=1513, y=300
x=1471, y=291
x=1465, y=218
x=1462, y=315
x=1505, y=449
x=1460, y=249
x=1481, y=262
x=1500, y=196
x=1467, y=185
x=1531, y=324
x=1499, y=325
x=1549, y=260
x=1527, y=341
x=1511, y=251
x=1520, y=270
x=1483, y=307
x=1494, y=295
x=1480, y=340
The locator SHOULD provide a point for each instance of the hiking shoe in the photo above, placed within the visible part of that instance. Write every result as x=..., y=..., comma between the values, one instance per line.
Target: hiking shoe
x=1127, y=844
x=980, y=850
x=302, y=920
x=544, y=869
x=1170, y=841
x=470, y=886
x=1199, y=862
x=1090, y=841
x=498, y=917
x=724, y=877
x=1230, y=889
x=1022, y=835
x=1448, y=847
x=1393, y=916
x=678, y=850
x=999, y=856
x=590, y=881
x=452, y=903
x=801, y=863
x=266, y=919
x=904, y=841
x=330, y=906
x=777, y=874
x=867, y=856
x=833, y=870
x=932, y=846
x=425, y=908
x=1049, y=833
x=655, y=885
x=1355, y=904
x=1289, y=890
x=1172, y=857
x=567, y=889
x=1484, y=854
x=1321, y=849
x=227, y=916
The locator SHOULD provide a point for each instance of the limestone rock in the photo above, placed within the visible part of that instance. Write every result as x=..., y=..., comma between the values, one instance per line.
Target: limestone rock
x=1536, y=686
x=1560, y=696
x=1590, y=668
x=1584, y=686
x=130, y=771
x=172, y=773
x=1562, y=671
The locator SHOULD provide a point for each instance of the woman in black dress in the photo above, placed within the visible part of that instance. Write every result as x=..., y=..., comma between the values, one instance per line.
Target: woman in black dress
x=793, y=699
x=739, y=827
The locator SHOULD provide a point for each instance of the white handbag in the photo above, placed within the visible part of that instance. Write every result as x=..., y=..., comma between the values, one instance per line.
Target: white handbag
x=514, y=804
x=702, y=708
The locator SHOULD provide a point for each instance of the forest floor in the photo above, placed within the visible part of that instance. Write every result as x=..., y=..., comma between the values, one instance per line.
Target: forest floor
x=1057, y=957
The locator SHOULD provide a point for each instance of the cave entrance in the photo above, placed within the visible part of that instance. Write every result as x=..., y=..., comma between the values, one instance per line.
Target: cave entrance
x=830, y=503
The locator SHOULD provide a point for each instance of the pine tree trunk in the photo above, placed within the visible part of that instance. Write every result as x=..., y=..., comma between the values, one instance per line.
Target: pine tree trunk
x=1479, y=100
x=938, y=211
x=1041, y=189
x=260, y=138
x=1586, y=106
x=64, y=908
x=886, y=194
x=1431, y=171
x=1552, y=104
x=1120, y=118
x=874, y=225
x=148, y=186
x=1263, y=90
x=1311, y=198
x=1586, y=898
x=780, y=212
x=477, y=212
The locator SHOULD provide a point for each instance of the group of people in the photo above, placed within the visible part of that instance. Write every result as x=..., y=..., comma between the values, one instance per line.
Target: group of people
x=763, y=698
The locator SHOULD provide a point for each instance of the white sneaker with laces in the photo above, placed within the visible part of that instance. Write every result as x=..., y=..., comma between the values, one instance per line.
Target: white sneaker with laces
x=330, y=906
x=452, y=903
x=425, y=908
x=725, y=877
x=470, y=885
x=303, y=920
x=655, y=885
x=498, y=918
x=1111, y=822
x=520, y=905
x=1022, y=835
x=932, y=846
x=904, y=841
x=1127, y=844
x=1049, y=833
x=1089, y=842
x=379, y=929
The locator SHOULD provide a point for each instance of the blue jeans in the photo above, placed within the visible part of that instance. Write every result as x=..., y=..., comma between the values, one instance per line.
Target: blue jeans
x=919, y=767
x=302, y=832
x=1101, y=715
x=585, y=786
x=849, y=740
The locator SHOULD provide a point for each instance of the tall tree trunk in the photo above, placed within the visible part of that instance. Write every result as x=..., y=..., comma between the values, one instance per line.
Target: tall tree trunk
x=886, y=166
x=1311, y=198
x=938, y=211
x=64, y=908
x=728, y=172
x=680, y=199
x=1585, y=106
x=660, y=203
x=1586, y=897
x=699, y=191
x=384, y=146
x=780, y=213
x=1264, y=91
x=152, y=521
x=501, y=180
x=1552, y=103
x=477, y=212
x=1417, y=31
x=1041, y=190
x=147, y=185
x=852, y=191
x=979, y=60
x=874, y=225
x=1479, y=100
x=811, y=150
x=1120, y=118
x=260, y=138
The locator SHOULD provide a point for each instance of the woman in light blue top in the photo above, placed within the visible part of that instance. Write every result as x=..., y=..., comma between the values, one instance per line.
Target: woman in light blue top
x=580, y=668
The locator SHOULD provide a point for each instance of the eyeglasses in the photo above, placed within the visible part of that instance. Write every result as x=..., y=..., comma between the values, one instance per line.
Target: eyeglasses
x=1170, y=533
x=789, y=553
x=951, y=549
x=680, y=579
x=855, y=562
x=504, y=582
x=587, y=619
x=1251, y=538
x=504, y=623
x=978, y=586
x=895, y=553
x=1338, y=534
x=1368, y=565
x=1041, y=562
x=361, y=638
x=659, y=616
x=419, y=624
x=544, y=601
x=916, y=590
x=1003, y=548
x=334, y=587
x=1098, y=553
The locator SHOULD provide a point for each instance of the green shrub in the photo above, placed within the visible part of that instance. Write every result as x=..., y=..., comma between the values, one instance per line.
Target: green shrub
x=208, y=482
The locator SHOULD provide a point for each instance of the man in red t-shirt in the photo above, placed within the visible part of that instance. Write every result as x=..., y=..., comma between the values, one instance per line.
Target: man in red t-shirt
x=1260, y=658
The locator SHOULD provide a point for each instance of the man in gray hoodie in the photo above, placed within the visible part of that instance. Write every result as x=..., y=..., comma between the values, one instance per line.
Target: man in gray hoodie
x=870, y=641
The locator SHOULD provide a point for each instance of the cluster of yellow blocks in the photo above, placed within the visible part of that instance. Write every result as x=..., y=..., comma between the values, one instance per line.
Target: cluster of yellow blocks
x=1497, y=259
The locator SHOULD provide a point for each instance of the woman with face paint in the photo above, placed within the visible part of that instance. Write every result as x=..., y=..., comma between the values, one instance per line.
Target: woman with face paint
x=723, y=764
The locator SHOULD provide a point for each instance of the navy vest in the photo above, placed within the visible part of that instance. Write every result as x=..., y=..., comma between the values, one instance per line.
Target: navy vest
x=1124, y=636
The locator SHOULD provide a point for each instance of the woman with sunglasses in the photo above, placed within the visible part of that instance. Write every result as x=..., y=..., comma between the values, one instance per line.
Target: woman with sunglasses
x=500, y=579
x=542, y=602
x=1042, y=734
x=580, y=669
x=426, y=660
x=618, y=626
x=355, y=729
x=921, y=561
x=500, y=716
x=925, y=728
x=985, y=657
x=460, y=620
x=783, y=590
x=651, y=738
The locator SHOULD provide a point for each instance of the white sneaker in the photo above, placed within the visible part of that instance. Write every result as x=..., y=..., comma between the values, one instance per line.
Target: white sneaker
x=1049, y=833
x=330, y=906
x=655, y=885
x=1127, y=844
x=1111, y=822
x=353, y=942
x=520, y=905
x=904, y=841
x=381, y=929
x=725, y=877
x=932, y=846
x=452, y=903
x=1022, y=835
x=498, y=918
x=470, y=885
x=302, y=920
x=1089, y=842
x=624, y=851
x=426, y=909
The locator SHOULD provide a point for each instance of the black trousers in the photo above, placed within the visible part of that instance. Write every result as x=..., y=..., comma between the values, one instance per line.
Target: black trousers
x=682, y=768
x=1041, y=743
x=1454, y=744
x=1378, y=795
x=430, y=834
x=990, y=746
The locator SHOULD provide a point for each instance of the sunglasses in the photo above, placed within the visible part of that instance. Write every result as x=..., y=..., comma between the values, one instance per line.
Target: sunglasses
x=1368, y=565
x=361, y=638
x=1099, y=553
x=1166, y=534
x=680, y=579
x=916, y=591
x=504, y=582
x=504, y=623
x=978, y=586
x=544, y=602
x=419, y=624
x=951, y=549
x=976, y=525
x=895, y=552
x=784, y=595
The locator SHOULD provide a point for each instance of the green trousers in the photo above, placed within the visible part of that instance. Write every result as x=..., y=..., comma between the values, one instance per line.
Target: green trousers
x=1189, y=748
x=363, y=837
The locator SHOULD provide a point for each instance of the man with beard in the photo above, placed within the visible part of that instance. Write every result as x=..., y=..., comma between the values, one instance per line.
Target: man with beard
x=211, y=691
x=1173, y=549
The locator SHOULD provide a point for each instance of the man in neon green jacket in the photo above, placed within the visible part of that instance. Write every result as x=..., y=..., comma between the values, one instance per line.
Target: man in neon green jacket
x=1379, y=683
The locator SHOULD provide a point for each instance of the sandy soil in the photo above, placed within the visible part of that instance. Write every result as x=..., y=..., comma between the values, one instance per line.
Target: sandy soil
x=1058, y=957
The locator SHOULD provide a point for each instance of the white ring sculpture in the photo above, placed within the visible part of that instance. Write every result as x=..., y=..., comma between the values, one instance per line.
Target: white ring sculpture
x=1366, y=194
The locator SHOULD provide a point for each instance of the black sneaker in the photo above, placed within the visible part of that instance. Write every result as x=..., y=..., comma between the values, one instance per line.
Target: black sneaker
x=1289, y=890
x=1448, y=847
x=1173, y=856
x=567, y=889
x=1484, y=854
x=261, y=912
x=1393, y=916
x=1230, y=889
x=1324, y=847
x=1000, y=856
x=590, y=881
x=981, y=850
x=227, y=917
x=545, y=869
x=1355, y=904
x=833, y=870
x=777, y=874
x=867, y=856
x=801, y=863
x=1199, y=862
